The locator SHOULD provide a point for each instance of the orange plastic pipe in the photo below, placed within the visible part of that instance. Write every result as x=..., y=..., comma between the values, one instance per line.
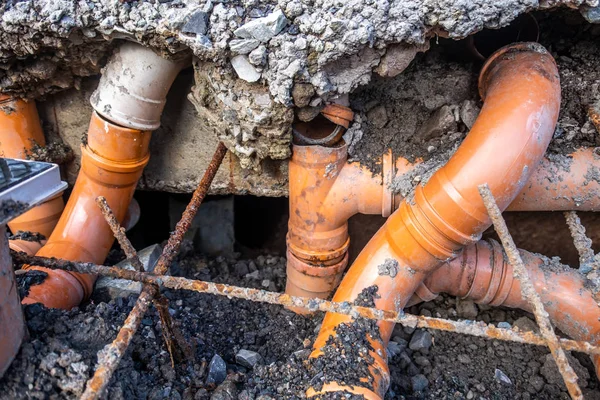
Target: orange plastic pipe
x=483, y=274
x=570, y=182
x=20, y=132
x=326, y=190
x=521, y=92
x=111, y=164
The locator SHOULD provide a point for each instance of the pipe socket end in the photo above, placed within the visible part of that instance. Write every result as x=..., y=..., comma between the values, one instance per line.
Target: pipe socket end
x=508, y=53
x=134, y=85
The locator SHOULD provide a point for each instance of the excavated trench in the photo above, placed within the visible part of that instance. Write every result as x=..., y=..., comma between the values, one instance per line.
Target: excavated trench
x=423, y=113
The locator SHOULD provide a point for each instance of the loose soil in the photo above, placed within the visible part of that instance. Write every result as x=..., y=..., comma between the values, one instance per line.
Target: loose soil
x=447, y=75
x=60, y=354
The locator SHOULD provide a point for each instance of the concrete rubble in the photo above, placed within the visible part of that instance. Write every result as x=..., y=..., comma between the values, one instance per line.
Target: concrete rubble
x=249, y=55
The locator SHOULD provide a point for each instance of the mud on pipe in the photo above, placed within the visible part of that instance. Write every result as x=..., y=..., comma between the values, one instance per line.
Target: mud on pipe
x=521, y=92
x=128, y=104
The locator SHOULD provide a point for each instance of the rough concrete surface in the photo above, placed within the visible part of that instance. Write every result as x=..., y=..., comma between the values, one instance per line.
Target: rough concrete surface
x=180, y=149
x=48, y=45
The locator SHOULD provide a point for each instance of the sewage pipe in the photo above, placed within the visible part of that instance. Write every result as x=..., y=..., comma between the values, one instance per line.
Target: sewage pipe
x=20, y=133
x=128, y=104
x=521, y=92
x=326, y=190
x=483, y=274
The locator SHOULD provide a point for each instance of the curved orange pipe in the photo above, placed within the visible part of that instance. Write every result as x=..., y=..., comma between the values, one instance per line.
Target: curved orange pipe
x=483, y=274
x=111, y=164
x=325, y=191
x=20, y=132
x=521, y=90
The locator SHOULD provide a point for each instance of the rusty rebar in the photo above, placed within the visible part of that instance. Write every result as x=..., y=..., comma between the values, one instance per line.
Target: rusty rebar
x=582, y=243
x=529, y=293
x=473, y=328
x=110, y=356
x=161, y=303
x=108, y=363
x=174, y=243
x=119, y=233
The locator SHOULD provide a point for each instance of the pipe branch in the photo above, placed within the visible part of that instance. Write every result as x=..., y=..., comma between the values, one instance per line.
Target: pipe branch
x=521, y=92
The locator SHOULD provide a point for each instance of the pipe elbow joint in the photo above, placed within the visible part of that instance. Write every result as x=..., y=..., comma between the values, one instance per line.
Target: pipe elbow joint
x=521, y=89
x=134, y=85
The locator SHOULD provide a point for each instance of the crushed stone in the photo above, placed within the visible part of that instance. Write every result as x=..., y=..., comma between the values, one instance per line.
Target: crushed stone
x=60, y=354
x=48, y=46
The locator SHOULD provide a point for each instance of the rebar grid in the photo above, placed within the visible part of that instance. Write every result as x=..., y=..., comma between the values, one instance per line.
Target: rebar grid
x=110, y=356
x=529, y=293
x=119, y=233
x=473, y=328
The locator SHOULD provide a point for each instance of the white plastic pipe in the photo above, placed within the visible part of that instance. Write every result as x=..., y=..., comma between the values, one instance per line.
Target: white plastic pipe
x=134, y=85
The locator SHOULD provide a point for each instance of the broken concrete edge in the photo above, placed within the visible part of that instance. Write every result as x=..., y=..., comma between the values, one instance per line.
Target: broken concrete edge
x=304, y=45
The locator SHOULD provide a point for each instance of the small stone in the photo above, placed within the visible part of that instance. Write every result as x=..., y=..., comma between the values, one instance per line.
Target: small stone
x=217, y=371
x=248, y=358
x=591, y=14
x=226, y=390
x=253, y=275
x=244, y=69
x=307, y=114
x=421, y=340
x=405, y=360
x=469, y=112
x=394, y=349
x=302, y=354
x=263, y=29
x=243, y=46
x=501, y=377
x=464, y=359
x=504, y=325
x=466, y=308
x=397, y=58
x=431, y=149
x=197, y=23
x=258, y=56
x=525, y=324
x=302, y=93
x=241, y=268
x=439, y=123
x=265, y=283
x=110, y=288
x=422, y=361
x=537, y=382
x=419, y=382
x=377, y=116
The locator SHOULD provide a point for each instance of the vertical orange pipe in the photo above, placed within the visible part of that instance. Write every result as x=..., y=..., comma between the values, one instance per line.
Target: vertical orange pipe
x=111, y=164
x=325, y=191
x=483, y=274
x=521, y=92
x=20, y=132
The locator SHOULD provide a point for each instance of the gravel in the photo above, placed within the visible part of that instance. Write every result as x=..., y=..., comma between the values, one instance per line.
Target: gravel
x=60, y=354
